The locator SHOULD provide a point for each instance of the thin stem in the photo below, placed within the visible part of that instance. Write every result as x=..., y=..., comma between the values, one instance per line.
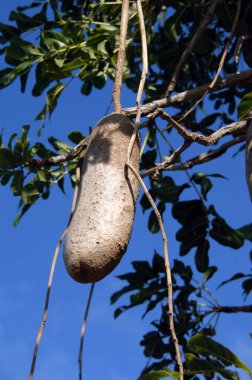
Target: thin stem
x=143, y=77
x=144, y=143
x=83, y=329
x=54, y=261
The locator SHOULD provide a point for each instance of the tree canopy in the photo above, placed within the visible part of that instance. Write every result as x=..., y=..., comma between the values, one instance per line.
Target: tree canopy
x=198, y=93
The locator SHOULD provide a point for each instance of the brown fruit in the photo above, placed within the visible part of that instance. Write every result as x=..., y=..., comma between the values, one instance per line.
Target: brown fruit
x=102, y=223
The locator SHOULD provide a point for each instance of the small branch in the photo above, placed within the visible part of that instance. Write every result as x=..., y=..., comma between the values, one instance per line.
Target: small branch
x=56, y=160
x=236, y=127
x=239, y=79
x=54, y=261
x=208, y=16
x=121, y=56
x=233, y=309
x=222, y=60
x=241, y=41
x=197, y=160
x=143, y=77
x=83, y=329
x=174, y=157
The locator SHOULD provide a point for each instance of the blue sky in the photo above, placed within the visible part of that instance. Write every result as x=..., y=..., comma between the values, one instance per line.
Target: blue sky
x=111, y=346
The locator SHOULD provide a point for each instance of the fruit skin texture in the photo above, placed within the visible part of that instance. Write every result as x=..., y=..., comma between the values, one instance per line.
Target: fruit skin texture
x=102, y=223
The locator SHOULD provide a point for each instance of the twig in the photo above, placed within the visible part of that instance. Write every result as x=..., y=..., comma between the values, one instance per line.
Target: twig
x=155, y=209
x=142, y=80
x=121, y=56
x=238, y=46
x=222, y=60
x=194, y=40
x=56, y=160
x=197, y=160
x=42, y=326
x=83, y=328
x=236, y=127
x=239, y=79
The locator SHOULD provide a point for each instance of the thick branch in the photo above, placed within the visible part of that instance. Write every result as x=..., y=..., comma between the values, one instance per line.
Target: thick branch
x=192, y=43
x=240, y=79
x=197, y=160
x=121, y=56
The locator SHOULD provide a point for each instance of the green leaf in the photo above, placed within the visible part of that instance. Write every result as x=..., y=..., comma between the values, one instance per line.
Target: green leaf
x=186, y=210
x=45, y=176
x=247, y=287
x=225, y=235
x=53, y=95
x=143, y=269
x=7, y=76
x=7, y=159
x=245, y=105
x=156, y=375
x=209, y=273
x=6, y=178
x=235, y=277
x=204, y=345
x=17, y=182
x=76, y=137
x=115, y=296
x=208, y=367
x=204, y=182
x=148, y=159
x=201, y=256
x=60, y=146
x=30, y=193
x=158, y=263
x=246, y=231
x=32, y=5
x=86, y=88
x=23, y=211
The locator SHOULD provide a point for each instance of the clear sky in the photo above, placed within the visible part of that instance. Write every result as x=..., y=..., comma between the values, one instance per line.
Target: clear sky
x=111, y=346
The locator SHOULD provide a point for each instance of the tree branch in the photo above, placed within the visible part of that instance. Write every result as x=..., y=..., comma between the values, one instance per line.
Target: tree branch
x=238, y=79
x=233, y=309
x=83, y=329
x=222, y=60
x=56, y=160
x=121, y=56
x=238, y=126
x=197, y=160
x=194, y=40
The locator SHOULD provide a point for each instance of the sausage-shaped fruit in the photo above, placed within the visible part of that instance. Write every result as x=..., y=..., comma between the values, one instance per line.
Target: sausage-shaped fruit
x=102, y=223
